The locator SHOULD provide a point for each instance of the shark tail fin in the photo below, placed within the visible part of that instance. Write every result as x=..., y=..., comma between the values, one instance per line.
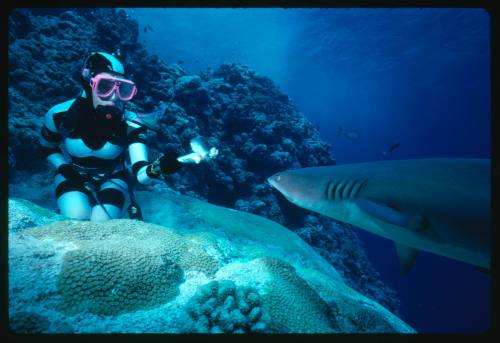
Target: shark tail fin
x=407, y=256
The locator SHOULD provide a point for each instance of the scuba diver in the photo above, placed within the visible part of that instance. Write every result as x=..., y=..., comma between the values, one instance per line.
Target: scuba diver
x=87, y=141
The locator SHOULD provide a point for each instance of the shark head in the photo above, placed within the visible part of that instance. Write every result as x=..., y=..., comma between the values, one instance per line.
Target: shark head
x=296, y=187
x=311, y=188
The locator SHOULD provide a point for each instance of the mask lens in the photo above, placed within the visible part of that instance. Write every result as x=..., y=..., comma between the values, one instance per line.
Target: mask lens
x=104, y=87
x=126, y=90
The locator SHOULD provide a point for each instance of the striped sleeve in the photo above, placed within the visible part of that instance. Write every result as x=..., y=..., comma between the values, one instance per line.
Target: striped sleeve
x=138, y=152
x=50, y=140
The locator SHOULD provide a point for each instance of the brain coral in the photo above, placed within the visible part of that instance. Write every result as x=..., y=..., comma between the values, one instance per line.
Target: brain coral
x=123, y=265
x=223, y=307
x=109, y=279
x=293, y=305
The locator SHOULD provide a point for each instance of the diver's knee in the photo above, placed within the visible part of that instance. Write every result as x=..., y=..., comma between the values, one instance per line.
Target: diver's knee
x=74, y=205
x=108, y=212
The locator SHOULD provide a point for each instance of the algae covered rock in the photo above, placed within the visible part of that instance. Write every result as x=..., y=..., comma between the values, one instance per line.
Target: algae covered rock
x=24, y=213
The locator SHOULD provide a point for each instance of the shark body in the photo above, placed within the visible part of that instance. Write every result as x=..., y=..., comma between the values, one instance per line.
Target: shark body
x=437, y=205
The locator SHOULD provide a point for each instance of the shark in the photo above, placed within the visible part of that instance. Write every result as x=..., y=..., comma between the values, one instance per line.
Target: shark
x=437, y=205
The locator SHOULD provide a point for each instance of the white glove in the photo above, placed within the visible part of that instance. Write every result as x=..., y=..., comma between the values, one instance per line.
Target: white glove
x=198, y=156
x=190, y=158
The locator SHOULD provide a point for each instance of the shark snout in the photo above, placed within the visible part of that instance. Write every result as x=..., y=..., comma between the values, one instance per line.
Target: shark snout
x=274, y=180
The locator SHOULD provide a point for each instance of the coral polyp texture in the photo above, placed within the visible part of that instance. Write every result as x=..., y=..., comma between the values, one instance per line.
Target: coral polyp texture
x=293, y=304
x=189, y=273
x=109, y=279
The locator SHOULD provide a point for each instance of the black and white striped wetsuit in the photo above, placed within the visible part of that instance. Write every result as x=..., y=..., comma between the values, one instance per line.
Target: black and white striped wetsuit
x=94, y=152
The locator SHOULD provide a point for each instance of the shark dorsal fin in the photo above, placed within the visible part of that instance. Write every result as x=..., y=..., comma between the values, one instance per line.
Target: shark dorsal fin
x=406, y=256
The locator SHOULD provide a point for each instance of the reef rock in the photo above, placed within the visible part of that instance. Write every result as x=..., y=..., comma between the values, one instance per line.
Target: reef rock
x=199, y=271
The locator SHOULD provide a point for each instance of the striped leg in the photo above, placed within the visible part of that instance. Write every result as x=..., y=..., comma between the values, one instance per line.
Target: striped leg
x=72, y=199
x=111, y=195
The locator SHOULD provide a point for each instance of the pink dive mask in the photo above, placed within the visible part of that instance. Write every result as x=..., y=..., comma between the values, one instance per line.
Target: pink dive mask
x=104, y=85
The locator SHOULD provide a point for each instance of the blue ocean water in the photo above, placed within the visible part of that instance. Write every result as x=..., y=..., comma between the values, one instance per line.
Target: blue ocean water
x=420, y=77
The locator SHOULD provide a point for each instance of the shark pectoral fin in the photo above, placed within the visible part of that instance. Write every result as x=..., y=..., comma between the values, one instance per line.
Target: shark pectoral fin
x=406, y=256
x=383, y=212
x=393, y=216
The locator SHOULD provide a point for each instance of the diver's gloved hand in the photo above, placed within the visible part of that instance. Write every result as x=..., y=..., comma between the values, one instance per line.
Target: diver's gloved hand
x=200, y=152
x=70, y=173
x=165, y=164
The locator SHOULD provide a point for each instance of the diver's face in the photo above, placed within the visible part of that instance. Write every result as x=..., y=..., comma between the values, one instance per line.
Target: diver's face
x=111, y=100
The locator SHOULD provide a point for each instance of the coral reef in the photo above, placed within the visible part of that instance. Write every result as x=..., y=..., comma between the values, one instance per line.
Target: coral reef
x=293, y=304
x=23, y=214
x=222, y=307
x=128, y=276
x=28, y=322
x=188, y=254
x=110, y=279
x=257, y=129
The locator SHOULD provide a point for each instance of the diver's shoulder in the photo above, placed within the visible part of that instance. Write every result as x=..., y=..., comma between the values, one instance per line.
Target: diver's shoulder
x=61, y=107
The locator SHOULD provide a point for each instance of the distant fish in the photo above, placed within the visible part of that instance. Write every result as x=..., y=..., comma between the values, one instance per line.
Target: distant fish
x=391, y=148
x=317, y=126
x=353, y=134
x=148, y=27
x=180, y=62
x=439, y=205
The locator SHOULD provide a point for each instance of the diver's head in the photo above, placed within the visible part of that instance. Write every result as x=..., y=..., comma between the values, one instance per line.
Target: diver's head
x=106, y=86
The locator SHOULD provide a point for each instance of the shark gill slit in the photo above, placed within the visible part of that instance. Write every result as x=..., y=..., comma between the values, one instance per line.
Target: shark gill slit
x=358, y=184
x=333, y=189
x=343, y=189
x=327, y=189
x=330, y=189
x=339, y=189
x=346, y=192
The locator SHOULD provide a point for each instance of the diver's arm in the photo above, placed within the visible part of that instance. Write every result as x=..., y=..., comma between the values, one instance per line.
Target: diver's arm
x=143, y=170
x=50, y=139
x=138, y=154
